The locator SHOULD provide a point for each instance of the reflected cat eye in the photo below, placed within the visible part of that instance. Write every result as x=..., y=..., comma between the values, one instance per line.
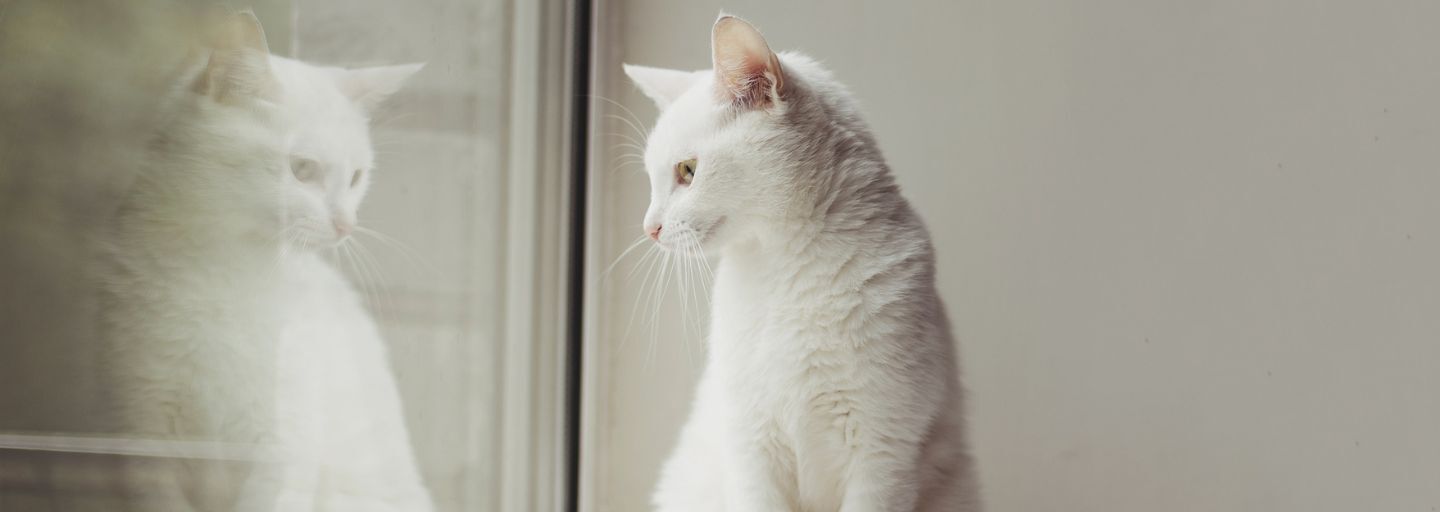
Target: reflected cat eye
x=685, y=172
x=305, y=169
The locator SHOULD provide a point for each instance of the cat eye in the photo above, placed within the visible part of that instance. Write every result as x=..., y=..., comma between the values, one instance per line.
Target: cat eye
x=305, y=169
x=685, y=172
x=355, y=180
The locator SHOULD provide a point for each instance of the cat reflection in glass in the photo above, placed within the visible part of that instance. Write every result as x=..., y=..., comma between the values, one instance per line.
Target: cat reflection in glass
x=222, y=321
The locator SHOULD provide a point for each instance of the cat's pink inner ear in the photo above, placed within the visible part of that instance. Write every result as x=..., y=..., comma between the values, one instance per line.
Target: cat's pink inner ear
x=748, y=73
x=239, y=64
x=369, y=87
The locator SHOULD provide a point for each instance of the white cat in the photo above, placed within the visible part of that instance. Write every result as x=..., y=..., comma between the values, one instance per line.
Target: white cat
x=220, y=320
x=831, y=379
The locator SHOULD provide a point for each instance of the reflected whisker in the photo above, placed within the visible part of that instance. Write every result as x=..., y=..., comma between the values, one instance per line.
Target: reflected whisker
x=411, y=255
x=378, y=299
x=369, y=268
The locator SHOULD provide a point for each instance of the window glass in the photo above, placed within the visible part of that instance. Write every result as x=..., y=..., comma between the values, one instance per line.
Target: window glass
x=260, y=255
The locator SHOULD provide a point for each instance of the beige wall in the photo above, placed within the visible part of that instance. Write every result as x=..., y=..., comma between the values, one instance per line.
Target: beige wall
x=1190, y=247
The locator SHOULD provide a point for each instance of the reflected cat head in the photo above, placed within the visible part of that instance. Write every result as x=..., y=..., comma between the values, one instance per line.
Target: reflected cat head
x=274, y=146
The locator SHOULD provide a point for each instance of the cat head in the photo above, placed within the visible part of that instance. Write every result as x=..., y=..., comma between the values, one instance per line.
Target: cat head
x=726, y=156
x=281, y=144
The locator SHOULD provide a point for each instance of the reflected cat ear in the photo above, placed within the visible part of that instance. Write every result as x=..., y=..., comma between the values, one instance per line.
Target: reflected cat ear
x=661, y=85
x=368, y=87
x=239, y=65
x=748, y=74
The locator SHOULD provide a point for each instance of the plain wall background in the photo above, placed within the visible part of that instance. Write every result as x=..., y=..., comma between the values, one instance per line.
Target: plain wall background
x=1189, y=248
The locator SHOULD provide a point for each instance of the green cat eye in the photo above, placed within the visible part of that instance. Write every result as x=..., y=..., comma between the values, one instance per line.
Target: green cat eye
x=685, y=172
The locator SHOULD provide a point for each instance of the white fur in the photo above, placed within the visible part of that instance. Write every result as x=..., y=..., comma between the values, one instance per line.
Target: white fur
x=831, y=381
x=221, y=321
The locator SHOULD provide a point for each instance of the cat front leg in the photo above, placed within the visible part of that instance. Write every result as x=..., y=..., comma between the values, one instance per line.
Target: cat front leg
x=756, y=471
x=753, y=479
x=882, y=480
x=693, y=479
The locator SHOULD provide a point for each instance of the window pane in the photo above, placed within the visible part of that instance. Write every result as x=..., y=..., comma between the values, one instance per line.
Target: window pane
x=237, y=281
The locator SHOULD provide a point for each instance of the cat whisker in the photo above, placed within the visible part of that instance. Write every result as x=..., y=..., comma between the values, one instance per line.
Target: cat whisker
x=633, y=121
x=662, y=286
x=348, y=255
x=687, y=287
x=373, y=264
x=623, y=160
x=656, y=285
x=628, y=145
x=285, y=237
x=703, y=279
x=648, y=261
x=411, y=255
x=689, y=271
x=626, y=110
x=629, y=155
x=643, y=135
x=368, y=276
x=627, y=138
x=622, y=255
x=303, y=242
x=627, y=159
x=680, y=285
x=637, y=148
x=704, y=260
x=623, y=165
x=649, y=254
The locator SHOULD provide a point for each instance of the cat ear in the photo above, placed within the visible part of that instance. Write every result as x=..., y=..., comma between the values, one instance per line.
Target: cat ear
x=661, y=85
x=368, y=87
x=239, y=64
x=747, y=73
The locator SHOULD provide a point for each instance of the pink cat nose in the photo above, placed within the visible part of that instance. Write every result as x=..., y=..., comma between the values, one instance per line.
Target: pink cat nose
x=343, y=228
x=654, y=232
